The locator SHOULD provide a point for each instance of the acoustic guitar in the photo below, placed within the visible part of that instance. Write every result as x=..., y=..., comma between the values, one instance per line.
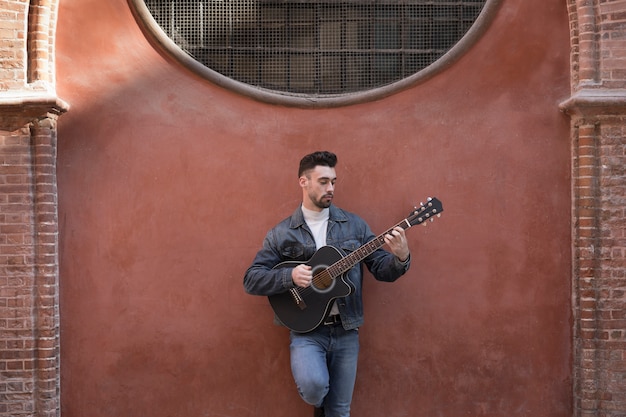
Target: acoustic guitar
x=304, y=309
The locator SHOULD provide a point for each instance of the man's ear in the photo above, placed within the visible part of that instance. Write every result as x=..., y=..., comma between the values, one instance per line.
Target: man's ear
x=302, y=181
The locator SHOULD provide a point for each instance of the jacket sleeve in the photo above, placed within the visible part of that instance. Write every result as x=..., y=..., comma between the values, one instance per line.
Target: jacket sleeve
x=384, y=265
x=262, y=278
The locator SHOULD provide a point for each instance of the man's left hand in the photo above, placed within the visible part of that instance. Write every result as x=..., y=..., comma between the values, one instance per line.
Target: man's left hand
x=396, y=240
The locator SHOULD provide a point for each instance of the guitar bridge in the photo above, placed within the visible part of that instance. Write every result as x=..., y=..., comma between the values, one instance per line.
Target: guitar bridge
x=297, y=298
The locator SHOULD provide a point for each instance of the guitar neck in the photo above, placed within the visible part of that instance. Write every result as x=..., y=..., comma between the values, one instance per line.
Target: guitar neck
x=418, y=216
x=346, y=263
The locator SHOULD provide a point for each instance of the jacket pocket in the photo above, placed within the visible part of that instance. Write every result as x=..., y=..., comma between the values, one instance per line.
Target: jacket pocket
x=292, y=252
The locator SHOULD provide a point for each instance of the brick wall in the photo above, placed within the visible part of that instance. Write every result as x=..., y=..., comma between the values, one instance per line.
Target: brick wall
x=612, y=50
x=599, y=279
x=13, y=38
x=598, y=110
x=17, y=254
x=29, y=318
x=29, y=290
x=27, y=31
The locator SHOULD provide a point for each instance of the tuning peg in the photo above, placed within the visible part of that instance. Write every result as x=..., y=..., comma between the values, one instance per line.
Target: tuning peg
x=429, y=199
x=425, y=224
x=439, y=215
x=432, y=220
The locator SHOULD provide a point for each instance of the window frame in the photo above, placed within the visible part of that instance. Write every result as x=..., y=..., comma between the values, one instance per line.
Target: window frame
x=161, y=40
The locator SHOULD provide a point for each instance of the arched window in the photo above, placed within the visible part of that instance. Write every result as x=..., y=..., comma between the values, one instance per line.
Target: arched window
x=315, y=48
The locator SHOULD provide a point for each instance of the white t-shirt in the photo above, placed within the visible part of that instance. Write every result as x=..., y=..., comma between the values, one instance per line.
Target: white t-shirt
x=318, y=223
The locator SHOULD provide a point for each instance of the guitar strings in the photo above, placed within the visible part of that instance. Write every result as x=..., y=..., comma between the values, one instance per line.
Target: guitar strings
x=372, y=245
x=317, y=279
x=342, y=264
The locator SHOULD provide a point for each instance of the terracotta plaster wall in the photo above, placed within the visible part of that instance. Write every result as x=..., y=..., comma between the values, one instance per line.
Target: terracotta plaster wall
x=167, y=185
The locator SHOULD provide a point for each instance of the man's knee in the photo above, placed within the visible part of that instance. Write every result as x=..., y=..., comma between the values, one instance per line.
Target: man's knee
x=313, y=392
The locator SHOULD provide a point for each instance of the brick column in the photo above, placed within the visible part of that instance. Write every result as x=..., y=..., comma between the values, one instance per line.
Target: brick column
x=584, y=282
x=45, y=269
x=29, y=319
x=29, y=311
x=599, y=251
x=598, y=111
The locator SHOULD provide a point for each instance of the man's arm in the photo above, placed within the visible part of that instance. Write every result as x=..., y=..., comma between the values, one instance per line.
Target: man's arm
x=389, y=266
x=261, y=278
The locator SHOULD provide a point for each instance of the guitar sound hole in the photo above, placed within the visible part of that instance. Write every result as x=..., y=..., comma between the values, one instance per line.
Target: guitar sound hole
x=322, y=280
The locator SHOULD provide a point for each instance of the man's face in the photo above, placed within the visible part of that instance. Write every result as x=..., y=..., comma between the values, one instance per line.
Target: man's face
x=318, y=187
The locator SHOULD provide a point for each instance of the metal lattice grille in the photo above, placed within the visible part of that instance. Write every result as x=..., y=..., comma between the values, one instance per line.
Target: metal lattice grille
x=316, y=47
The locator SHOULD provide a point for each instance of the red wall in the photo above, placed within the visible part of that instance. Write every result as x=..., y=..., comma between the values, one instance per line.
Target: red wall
x=167, y=185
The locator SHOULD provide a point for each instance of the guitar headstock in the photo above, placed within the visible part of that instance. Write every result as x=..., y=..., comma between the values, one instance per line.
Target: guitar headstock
x=433, y=208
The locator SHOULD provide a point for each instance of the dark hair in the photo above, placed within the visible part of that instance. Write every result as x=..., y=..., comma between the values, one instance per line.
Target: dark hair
x=310, y=161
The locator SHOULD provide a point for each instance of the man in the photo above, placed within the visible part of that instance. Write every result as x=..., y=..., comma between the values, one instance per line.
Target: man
x=324, y=359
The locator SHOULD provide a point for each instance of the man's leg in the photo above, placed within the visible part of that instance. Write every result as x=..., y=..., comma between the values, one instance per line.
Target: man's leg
x=343, y=356
x=308, y=365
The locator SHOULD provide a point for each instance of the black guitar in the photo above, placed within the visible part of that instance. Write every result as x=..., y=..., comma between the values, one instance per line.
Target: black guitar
x=303, y=309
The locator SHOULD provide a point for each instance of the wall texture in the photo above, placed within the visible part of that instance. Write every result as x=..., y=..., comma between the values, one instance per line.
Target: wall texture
x=167, y=184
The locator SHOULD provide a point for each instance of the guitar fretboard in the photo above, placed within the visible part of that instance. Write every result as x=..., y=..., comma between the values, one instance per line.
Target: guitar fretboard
x=346, y=263
x=419, y=216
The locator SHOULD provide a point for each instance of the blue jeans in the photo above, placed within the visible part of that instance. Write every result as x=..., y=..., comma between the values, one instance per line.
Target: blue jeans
x=323, y=364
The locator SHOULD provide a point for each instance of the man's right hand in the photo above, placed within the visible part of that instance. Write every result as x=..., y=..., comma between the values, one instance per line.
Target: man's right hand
x=302, y=275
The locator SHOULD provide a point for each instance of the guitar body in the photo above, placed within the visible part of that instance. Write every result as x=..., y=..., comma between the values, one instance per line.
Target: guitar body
x=316, y=300
x=303, y=309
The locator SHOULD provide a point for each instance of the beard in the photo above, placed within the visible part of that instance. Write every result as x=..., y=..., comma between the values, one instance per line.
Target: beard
x=323, y=202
